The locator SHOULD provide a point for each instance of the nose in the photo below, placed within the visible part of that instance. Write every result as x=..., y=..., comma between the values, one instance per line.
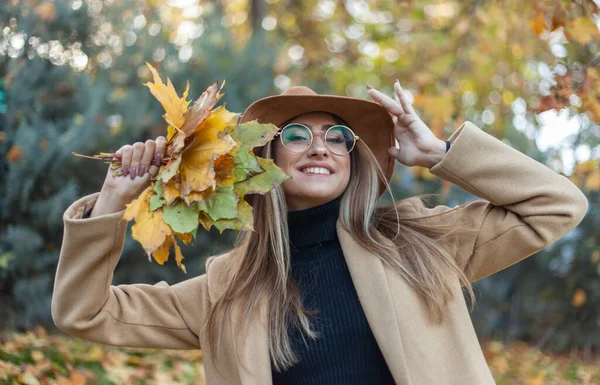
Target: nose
x=318, y=147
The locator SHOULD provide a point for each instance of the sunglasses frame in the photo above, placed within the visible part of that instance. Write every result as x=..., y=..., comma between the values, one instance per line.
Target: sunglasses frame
x=356, y=137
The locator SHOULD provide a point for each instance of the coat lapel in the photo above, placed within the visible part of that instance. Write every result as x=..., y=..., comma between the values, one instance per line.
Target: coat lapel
x=371, y=283
x=255, y=350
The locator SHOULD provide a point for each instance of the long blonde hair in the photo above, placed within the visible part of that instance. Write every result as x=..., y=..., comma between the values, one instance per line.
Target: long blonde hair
x=261, y=260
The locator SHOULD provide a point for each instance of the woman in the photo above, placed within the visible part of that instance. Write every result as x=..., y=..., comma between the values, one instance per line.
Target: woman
x=329, y=289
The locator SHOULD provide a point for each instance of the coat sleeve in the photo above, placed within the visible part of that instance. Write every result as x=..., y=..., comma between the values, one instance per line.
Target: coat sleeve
x=86, y=305
x=525, y=205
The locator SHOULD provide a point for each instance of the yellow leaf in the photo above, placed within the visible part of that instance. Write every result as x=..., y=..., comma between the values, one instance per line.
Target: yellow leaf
x=500, y=364
x=592, y=182
x=438, y=108
x=175, y=107
x=179, y=257
x=161, y=255
x=201, y=108
x=595, y=258
x=36, y=355
x=582, y=30
x=149, y=228
x=170, y=191
x=585, y=167
x=209, y=142
x=132, y=209
x=186, y=238
x=537, y=380
x=579, y=298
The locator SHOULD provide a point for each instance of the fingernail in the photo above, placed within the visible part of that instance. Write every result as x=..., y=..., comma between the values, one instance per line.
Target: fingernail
x=157, y=160
x=142, y=170
x=369, y=87
x=132, y=173
x=125, y=170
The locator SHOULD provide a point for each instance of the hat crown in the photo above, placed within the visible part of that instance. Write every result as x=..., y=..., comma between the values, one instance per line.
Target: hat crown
x=298, y=90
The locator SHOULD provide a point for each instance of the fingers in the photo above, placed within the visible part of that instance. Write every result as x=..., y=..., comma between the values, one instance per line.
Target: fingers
x=159, y=152
x=141, y=158
x=136, y=159
x=394, y=152
x=395, y=107
x=126, y=152
x=147, y=157
x=404, y=102
x=392, y=106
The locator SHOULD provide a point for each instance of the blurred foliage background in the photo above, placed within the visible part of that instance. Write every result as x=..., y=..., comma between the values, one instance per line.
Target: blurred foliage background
x=72, y=74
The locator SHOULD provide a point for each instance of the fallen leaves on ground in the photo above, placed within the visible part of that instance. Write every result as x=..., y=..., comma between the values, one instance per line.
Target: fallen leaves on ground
x=37, y=358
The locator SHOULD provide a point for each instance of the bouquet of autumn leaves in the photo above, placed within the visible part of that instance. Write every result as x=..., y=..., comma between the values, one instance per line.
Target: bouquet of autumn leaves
x=207, y=170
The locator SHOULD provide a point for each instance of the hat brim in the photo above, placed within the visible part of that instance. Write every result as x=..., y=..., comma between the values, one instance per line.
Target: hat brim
x=369, y=120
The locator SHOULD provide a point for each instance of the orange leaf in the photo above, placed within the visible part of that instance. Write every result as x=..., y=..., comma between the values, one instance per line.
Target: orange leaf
x=579, y=298
x=46, y=11
x=538, y=24
x=14, y=154
x=224, y=170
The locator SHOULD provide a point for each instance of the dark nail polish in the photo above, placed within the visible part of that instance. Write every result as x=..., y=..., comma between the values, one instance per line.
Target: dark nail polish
x=369, y=87
x=132, y=173
x=157, y=160
x=142, y=170
x=125, y=170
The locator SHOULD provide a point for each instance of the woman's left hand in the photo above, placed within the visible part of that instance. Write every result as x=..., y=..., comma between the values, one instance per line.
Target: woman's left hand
x=418, y=145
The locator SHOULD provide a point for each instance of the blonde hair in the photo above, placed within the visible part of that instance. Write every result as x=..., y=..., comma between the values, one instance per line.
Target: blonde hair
x=260, y=264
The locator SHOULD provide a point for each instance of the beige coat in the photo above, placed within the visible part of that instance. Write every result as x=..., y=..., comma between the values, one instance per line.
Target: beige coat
x=525, y=207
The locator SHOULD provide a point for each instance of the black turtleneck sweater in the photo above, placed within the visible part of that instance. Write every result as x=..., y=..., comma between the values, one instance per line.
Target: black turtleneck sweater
x=346, y=351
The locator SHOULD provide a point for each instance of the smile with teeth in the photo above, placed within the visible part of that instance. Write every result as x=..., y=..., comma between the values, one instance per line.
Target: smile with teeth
x=316, y=170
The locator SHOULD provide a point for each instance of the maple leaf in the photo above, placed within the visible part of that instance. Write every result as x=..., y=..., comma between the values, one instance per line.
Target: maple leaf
x=263, y=182
x=149, y=228
x=161, y=255
x=175, y=107
x=209, y=142
x=201, y=108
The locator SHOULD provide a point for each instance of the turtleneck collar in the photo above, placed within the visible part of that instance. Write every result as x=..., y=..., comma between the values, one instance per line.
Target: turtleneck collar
x=316, y=224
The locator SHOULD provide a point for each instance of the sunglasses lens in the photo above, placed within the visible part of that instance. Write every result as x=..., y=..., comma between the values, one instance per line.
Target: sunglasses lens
x=297, y=138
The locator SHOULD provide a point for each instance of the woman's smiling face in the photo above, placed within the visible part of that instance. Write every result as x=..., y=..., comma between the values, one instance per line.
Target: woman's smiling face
x=318, y=175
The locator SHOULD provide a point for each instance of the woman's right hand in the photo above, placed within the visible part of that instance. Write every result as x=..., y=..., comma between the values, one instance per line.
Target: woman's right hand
x=140, y=163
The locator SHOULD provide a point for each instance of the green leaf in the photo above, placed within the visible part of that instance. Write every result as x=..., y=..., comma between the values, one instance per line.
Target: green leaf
x=5, y=259
x=244, y=220
x=181, y=217
x=171, y=171
x=245, y=164
x=157, y=200
x=224, y=205
x=253, y=134
x=263, y=182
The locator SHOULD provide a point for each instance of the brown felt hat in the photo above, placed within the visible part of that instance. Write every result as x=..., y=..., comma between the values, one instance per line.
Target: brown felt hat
x=369, y=120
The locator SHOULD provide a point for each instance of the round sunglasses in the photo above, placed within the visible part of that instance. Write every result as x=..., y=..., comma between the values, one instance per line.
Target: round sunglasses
x=298, y=137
